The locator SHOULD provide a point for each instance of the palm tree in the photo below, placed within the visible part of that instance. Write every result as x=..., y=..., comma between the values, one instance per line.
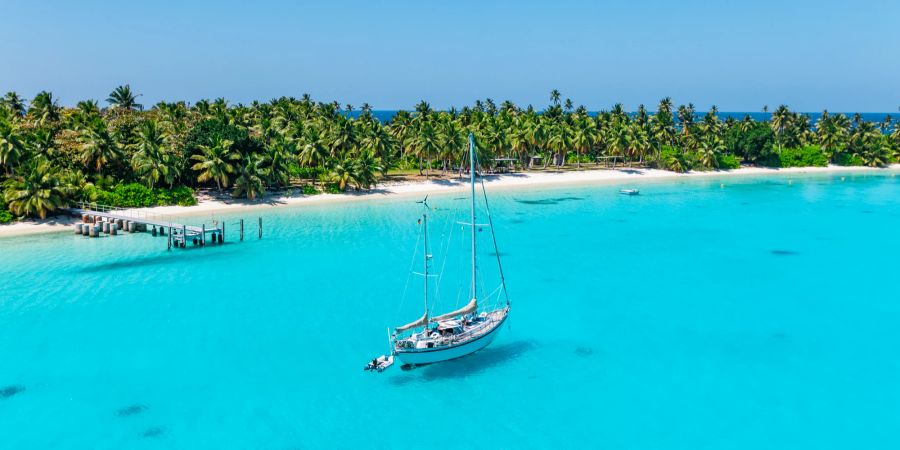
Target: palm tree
x=98, y=149
x=896, y=135
x=710, y=147
x=662, y=126
x=423, y=110
x=401, y=129
x=342, y=136
x=559, y=142
x=641, y=118
x=452, y=141
x=517, y=138
x=554, y=97
x=37, y=191
x=342, y=173
x=314, y=152
x=869, y=144
x=780, y=120
x=122, y=97
x=424, y=144
x=85, y=112
x=832, y=133
x=583, y=137
x=13, y=103
x=638, y=142
x=363, y=169
x=686, y=118
x=42, y=142
x=250, y=182
x=280, y=154
x=151, y=162
x=214, y=163
x=12, y=146
x=616, y=140
x=44, y=109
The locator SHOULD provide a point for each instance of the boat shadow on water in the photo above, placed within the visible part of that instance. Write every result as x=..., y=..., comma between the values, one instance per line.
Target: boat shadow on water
x=469, y=365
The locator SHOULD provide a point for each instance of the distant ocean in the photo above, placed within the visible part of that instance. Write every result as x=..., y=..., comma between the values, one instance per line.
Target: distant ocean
x=386, y=115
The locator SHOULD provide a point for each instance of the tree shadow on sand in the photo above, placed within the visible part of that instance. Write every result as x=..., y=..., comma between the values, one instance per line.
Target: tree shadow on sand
x=466, y=366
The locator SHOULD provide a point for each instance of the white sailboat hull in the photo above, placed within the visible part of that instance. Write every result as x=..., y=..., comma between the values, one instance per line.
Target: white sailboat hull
x=433, y=355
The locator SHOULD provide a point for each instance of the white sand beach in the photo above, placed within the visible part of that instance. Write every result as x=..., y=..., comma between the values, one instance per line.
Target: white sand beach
x=520, y=180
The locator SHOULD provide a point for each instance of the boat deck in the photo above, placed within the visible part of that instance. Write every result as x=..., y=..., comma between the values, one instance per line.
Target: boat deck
x=469, y=333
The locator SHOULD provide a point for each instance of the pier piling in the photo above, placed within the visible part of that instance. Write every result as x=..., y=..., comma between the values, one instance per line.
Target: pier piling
x=97, y=219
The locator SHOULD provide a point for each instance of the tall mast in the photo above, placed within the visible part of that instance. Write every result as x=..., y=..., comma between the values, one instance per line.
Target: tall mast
x=425, y=252
x=472, y=182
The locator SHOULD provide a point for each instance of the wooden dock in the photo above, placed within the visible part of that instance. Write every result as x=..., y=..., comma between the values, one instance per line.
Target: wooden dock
x=97, y=219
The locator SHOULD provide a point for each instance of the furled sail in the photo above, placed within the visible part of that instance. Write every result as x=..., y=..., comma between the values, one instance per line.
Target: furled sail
x=420, y=322
x=468, y=309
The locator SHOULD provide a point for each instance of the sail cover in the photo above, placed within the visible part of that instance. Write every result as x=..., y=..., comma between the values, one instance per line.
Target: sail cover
x=421, y=321
x=469, y=308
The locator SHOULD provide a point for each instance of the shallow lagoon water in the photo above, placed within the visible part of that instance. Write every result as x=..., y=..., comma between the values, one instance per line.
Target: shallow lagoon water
x=758, y=313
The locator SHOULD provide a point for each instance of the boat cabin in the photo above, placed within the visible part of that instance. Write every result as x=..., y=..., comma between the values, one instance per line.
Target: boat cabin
x=449, y=328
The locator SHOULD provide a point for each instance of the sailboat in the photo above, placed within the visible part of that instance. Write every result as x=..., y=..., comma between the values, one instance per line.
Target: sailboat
x=431, y=339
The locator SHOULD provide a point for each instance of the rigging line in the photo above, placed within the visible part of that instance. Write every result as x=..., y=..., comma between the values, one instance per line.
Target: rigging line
x=452, y=224
x=437, y=288
x=409, y=274
x=459, y=266
x=496, y=291
x=494, y=238
x=443, y=248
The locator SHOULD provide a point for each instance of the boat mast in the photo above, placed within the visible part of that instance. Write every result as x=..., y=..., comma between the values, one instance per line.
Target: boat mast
x=472, y=182
x=425, y=254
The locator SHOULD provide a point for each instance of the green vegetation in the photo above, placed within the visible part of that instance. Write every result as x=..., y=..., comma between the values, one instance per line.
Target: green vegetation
x=806, y=156
x=5, y=215
x=847, y=159
x=750, y=140
x=135, y=195
x=728, y=161
x=125, y=155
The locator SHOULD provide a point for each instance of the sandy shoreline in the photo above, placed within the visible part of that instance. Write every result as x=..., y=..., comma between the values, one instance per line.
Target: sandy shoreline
x=208, y=207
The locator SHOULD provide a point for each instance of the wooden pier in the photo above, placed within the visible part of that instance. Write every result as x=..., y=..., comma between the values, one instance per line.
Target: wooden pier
x=97, y=219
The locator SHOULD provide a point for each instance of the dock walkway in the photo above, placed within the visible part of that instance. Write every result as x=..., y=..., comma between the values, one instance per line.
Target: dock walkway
x=179, y=232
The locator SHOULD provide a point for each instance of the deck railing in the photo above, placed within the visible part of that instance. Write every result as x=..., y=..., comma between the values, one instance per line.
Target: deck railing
x=129, y=213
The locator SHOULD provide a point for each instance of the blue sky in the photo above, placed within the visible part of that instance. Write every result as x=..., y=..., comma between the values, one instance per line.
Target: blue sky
x=738, y=55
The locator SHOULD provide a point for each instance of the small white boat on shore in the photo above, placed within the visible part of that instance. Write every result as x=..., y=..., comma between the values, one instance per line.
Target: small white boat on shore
x=629, y=191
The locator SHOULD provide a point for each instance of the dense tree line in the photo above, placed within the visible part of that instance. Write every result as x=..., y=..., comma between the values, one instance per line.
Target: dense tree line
x=52, y=155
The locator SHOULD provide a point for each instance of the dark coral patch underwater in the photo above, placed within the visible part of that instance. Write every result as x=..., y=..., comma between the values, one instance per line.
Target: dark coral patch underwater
x=10, y=391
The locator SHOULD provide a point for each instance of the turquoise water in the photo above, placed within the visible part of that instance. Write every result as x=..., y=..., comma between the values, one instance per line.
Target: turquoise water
x=761, y=313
